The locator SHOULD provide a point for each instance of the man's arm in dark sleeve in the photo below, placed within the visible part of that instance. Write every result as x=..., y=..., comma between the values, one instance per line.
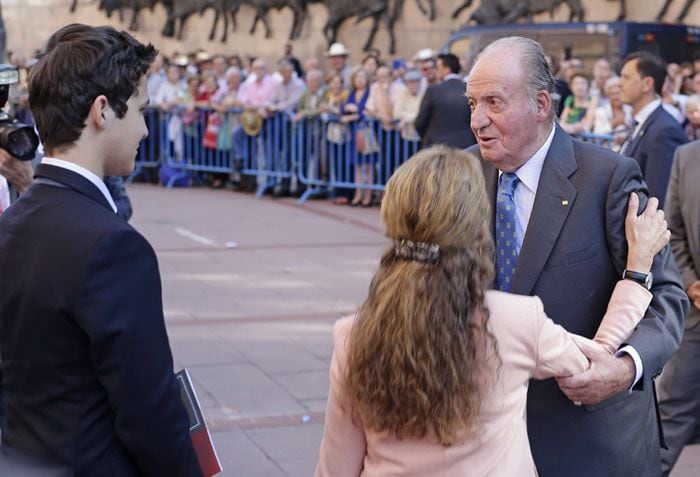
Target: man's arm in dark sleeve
x=660, y=158
x=658, y=335
x=421, y=121
x=121, y=312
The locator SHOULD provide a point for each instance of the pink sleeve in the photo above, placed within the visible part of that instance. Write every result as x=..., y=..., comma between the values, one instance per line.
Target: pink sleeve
x=557, y=353
x=627, y=306
x=343, y=447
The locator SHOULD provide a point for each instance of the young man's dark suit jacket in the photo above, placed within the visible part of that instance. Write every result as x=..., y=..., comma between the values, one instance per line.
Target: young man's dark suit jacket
x=573, y=253
x=444, y=116
x=653, y=148
x=88, y=372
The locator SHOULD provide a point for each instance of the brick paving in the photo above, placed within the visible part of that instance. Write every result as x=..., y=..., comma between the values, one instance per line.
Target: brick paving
x=251, y=290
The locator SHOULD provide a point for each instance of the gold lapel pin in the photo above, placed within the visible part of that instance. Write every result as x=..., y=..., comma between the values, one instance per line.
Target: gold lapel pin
x=564, y=202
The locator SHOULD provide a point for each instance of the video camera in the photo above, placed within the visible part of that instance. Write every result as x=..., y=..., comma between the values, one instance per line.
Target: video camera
x=18, y=139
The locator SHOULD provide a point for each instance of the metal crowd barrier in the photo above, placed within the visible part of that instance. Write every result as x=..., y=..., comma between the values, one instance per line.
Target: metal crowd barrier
x=604, y=140
x=320, y=153
x=331, y=155
x=149, y=156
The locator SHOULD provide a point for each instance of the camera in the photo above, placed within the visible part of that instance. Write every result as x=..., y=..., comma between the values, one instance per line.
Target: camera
x=20, y=140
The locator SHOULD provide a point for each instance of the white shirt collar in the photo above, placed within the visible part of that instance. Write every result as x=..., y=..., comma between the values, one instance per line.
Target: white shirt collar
x=451, y=76
x=645, y=112
x=529, y=173
x=71, y=166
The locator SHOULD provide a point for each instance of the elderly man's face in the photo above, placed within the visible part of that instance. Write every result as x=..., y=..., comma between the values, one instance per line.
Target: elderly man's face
x=337, y=62
x=286, y=73
x=313, y=81
x=504, y=119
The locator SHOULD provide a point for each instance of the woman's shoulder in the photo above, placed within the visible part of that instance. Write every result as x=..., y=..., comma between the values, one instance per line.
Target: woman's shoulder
x=341, y=332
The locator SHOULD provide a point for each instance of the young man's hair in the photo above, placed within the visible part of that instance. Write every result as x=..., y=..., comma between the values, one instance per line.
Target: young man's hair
x=81, y=62
x=649, y=64
x=451, y=61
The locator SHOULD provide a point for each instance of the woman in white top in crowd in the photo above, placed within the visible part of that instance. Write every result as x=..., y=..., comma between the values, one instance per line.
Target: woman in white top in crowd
x=613, y=117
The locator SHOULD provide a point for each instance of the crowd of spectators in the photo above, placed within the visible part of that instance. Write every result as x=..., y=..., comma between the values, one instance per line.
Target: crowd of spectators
x=386, y=92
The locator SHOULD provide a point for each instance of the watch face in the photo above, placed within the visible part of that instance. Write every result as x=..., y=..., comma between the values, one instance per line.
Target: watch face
x=648, y=281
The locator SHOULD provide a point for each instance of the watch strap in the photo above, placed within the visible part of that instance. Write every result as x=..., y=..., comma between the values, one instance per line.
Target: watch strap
x=644, y=279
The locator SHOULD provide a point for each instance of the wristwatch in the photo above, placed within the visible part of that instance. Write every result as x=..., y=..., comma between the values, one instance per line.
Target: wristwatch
x=644, y=279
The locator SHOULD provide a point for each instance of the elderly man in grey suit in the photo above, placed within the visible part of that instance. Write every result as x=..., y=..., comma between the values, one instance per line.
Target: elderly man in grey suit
x=679, y=385
x=559, y=209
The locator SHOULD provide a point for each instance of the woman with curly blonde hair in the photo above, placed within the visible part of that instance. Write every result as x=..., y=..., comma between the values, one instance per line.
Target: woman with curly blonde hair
x=431, y=376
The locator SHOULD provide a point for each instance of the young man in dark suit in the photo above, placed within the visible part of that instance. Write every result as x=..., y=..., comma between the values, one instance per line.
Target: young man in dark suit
x=443, y=117
x=656, y=134
x=87, y=368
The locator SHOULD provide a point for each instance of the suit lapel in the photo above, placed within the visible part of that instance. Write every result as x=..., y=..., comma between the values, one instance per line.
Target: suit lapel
x=72, y=180
x=553, y=201
x=491, y=178
x=637, y=140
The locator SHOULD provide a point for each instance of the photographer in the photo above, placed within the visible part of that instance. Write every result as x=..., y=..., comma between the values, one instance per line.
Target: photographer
x=17, y=175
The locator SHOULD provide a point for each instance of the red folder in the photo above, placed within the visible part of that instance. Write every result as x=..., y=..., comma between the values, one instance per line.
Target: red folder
x=201, y=439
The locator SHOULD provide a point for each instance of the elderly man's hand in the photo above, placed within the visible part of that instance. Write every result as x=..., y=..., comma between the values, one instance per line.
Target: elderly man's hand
x=694, y=293
x=18, y=173
x=606, y=376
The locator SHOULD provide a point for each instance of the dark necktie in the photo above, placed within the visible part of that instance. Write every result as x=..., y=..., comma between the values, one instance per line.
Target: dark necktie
x=627, y=144
x=506, y=252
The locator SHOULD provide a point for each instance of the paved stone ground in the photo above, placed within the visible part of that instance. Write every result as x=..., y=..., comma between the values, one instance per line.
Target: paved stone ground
x=251, y=290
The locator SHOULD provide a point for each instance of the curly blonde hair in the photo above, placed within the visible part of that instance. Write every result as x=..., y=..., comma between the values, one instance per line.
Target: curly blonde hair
x=417, y=349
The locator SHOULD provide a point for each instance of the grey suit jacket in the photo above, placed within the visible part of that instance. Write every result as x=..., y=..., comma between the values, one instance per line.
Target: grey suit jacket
x=683, y=216
x=573, y=252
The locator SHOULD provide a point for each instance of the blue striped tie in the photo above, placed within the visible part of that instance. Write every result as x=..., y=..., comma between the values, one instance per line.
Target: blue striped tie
x=506, y=252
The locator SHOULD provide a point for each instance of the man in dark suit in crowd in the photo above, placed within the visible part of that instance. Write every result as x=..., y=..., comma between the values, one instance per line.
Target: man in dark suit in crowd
x=443, y=117
x=561, y=204
x=679, y=384
x=87, y=368
x=655, y=135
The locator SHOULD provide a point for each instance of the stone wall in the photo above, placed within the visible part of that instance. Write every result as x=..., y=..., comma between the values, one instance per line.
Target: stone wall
x=30, y=22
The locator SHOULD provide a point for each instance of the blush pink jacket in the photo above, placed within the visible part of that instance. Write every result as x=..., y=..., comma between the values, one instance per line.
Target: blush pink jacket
x=530, y=346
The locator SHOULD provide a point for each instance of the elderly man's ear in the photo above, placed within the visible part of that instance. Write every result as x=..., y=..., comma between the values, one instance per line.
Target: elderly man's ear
x=544, y=105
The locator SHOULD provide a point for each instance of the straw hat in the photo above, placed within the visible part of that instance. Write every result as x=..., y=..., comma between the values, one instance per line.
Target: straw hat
x=202, y=56
x=425, y=54
x=251, y=121
x=181, y=60
x=337, y=49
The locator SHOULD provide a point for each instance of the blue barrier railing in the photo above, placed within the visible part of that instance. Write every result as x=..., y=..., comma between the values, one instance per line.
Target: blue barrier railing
x=605, y=140
x=321, y=153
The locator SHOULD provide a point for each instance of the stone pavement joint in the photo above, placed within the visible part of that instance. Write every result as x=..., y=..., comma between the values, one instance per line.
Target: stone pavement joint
x=266, y=422
x=328, y=316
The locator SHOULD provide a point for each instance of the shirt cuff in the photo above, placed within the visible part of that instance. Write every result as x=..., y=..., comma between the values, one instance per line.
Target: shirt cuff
x=639, y=368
